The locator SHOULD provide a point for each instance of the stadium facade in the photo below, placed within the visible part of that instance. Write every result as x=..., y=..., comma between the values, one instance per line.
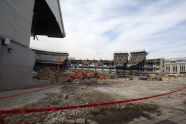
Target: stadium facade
x=19, y=20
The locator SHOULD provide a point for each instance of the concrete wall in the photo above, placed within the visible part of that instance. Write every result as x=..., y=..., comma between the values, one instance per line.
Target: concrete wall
x=162, y=67
x=16, y=20
x=15, y=66
x=50, y=57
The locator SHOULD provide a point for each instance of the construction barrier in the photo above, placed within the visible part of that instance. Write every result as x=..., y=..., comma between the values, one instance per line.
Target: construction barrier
x=29, y=92
x=25, y=111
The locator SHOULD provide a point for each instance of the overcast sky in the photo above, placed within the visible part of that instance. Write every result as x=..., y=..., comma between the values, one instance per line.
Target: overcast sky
x=97, y=28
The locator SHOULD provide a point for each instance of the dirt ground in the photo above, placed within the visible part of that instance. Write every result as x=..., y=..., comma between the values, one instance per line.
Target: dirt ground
x=97, y=91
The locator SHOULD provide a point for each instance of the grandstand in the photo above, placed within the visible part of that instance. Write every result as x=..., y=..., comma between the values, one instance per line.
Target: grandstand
x=137, y=59
x=49, y=59
x=120, y=62
x=120, y=59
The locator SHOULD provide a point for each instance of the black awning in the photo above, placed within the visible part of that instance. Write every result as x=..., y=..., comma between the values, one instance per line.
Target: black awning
x=44, y=21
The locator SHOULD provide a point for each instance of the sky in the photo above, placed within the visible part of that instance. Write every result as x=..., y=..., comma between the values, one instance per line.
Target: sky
x=95, y=29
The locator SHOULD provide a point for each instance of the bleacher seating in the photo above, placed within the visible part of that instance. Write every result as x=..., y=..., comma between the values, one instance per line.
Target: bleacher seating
x=136, y=58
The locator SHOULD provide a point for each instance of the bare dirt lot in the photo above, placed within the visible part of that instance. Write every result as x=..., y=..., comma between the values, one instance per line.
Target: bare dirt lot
x=166, y=109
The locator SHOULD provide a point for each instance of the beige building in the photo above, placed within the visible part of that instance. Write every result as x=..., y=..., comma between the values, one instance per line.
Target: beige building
x=175, y=66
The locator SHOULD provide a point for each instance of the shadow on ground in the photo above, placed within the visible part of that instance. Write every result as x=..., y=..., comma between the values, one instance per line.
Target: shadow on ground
x=126, y=114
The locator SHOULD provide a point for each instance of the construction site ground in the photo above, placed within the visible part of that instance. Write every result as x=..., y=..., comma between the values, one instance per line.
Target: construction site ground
x=169, y=109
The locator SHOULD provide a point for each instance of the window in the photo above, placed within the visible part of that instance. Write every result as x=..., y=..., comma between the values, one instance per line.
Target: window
x=181, y=68
x=174, y=68
x=167, y=68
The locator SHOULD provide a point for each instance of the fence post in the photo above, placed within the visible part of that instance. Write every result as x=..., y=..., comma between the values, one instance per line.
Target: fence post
x=51, y=77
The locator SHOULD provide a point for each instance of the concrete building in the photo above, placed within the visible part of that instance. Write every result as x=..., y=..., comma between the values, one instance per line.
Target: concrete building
x=129, y=64
x=155, y=66
x=175, y=66
x=137, y=60
x=91, y=63
x=121, y=59
x=49, y=59
x=19, y=20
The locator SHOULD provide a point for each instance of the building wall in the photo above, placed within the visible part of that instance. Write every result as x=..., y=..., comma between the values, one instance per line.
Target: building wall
x=50, y=57
x=162, y=66
x=155, y=66
x=17, y=59
x=175, y=66
x=16, y=20
x=15, y=66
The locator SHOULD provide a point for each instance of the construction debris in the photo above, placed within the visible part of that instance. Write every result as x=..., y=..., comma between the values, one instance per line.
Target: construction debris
x=91, y=91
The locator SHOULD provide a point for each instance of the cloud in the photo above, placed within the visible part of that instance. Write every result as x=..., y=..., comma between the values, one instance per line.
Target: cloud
x=98, y=28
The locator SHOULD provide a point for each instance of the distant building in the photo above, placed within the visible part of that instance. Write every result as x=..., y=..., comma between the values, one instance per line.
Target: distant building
x=155, y=66
x=121, y=59
x=137, y=60
x=175, y=66
x=132, y=63
x=49, y=59
x=91, y=63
